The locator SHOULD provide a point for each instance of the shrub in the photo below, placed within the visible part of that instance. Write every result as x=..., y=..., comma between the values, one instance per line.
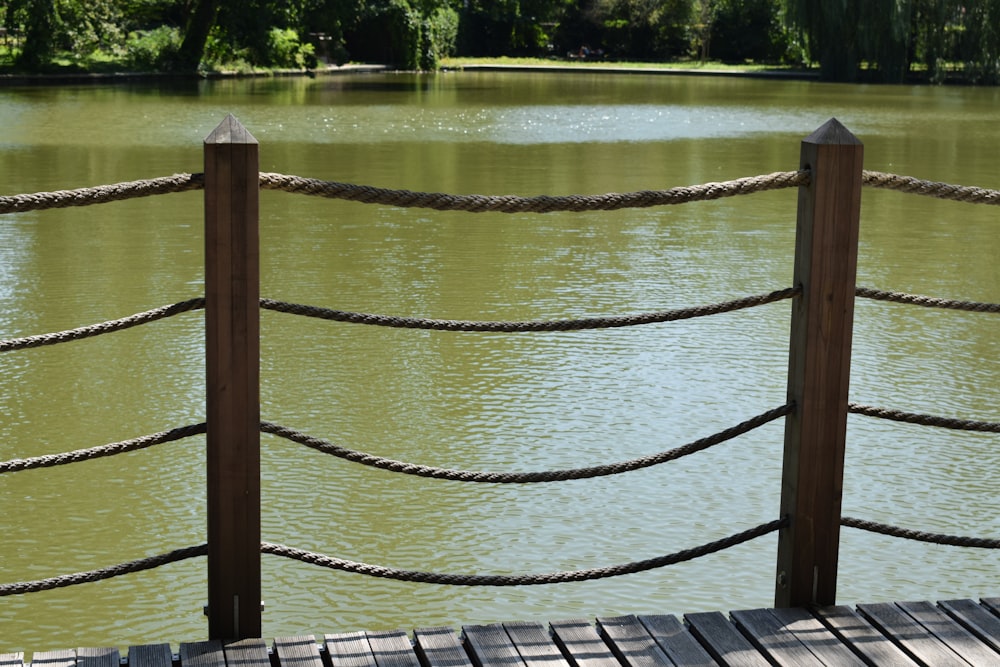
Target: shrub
x=285, y=50
x=153, y=49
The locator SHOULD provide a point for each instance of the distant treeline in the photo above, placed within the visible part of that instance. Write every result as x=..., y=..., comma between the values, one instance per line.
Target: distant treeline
x=850, y=40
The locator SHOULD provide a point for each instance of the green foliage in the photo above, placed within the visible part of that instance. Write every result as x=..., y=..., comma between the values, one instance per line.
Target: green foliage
x=285, y=50
x=154, y=49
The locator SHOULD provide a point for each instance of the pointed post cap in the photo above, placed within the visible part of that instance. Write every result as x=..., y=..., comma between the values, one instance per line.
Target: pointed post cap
x=832, y=132
x=230, y=131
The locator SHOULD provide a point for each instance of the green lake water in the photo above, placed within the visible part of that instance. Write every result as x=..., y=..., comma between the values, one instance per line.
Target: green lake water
x=485, y=401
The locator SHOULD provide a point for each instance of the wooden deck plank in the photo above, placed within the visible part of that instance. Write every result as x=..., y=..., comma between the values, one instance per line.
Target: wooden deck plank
x=855, y=631
x=246, y=653
x=960, y=640
x=993, y=604
x=723, y=641
x=818, y=638
x=11, y=659
x=297, y=651
x=976, y=619
x=440, y=647
x=349, y=649
x=61, y=658
x=631, y=642
x=150, y=655
x=581, y=644
x=535, y=644
x=392, y=648
x=676, y=640
x=491, y=646
x=771, y=638
x=97, y=657
x=203, y=654
x=912, y=637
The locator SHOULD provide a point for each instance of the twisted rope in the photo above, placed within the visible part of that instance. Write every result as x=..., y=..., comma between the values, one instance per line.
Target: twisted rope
x=924, y=420
x=523, y=579
x=530, y=325
x=142, y=442
x=523, y=477
x=934, y=538
x=101, y=328
x=101, y=194
x=916, y=186
x=926, y=301
x=103, y=573
x=541, y=204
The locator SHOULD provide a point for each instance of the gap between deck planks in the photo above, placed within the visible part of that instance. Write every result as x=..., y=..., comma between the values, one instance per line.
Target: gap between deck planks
x=953, y=632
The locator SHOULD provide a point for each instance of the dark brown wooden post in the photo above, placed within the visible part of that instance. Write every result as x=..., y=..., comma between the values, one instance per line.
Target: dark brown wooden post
x=232, y=367
x=826, y=257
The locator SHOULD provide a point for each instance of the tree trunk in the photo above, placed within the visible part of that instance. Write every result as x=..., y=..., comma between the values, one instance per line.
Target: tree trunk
x=199, y=26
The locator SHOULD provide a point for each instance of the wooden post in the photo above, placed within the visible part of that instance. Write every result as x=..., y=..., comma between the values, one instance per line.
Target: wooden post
x=232, y=368
x=826, y=257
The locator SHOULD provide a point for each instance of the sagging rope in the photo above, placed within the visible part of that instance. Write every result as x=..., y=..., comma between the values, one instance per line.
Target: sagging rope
x=920, y=536
x=392, y=465
x=101, y=194
x=923, y=419
x=139, y=565
x=482, y=203
x=322, y=560
x=916, y=186
x=926, y=301
x=529, y=325
x=75, y=456
x=541, y=204
x=522, y=579
x=90, y=331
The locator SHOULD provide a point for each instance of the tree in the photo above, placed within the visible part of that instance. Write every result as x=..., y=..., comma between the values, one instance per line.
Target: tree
x=199, y=26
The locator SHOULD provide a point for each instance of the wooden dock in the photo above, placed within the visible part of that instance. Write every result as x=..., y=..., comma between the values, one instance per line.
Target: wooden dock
x=954, y=632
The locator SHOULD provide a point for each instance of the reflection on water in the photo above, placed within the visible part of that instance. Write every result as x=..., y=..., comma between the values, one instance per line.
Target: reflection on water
x=483, y=401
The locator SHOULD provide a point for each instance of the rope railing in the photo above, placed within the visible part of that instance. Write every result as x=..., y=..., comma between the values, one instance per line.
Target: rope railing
x=101, y=328
x=313, y=558
x=101, y=194
x=920, y=536
x=21, y=587
x=392, y=465
x=923, y=419
x=321, y=560
x=529, y=325
x=917, y=186
x=101, y=451
x=926, y=301
x=541, y=204
x=522, y=579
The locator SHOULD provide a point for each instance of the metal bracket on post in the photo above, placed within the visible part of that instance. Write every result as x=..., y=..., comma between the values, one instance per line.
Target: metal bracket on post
x=826, y=256
x=232, y=369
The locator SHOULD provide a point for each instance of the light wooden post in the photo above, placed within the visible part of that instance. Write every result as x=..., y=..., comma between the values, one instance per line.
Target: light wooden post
x=232, y=367
x=826, y=254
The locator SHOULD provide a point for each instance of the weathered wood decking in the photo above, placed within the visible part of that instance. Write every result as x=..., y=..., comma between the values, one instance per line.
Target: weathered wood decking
x=955, y=632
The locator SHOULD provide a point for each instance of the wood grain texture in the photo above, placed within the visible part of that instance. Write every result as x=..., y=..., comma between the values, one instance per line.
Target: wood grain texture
x=826, y=251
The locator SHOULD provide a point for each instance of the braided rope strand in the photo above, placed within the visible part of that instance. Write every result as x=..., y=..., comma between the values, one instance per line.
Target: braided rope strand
x=916, y=186
x=923, y=419
x=541, y=204
x=129, y=567
x=523, y=579
x=920, y=536
x=926, y=301
x=110, y=326
x=391, y=465
x=529, y=325
x=101, y=194
x=135, y=444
